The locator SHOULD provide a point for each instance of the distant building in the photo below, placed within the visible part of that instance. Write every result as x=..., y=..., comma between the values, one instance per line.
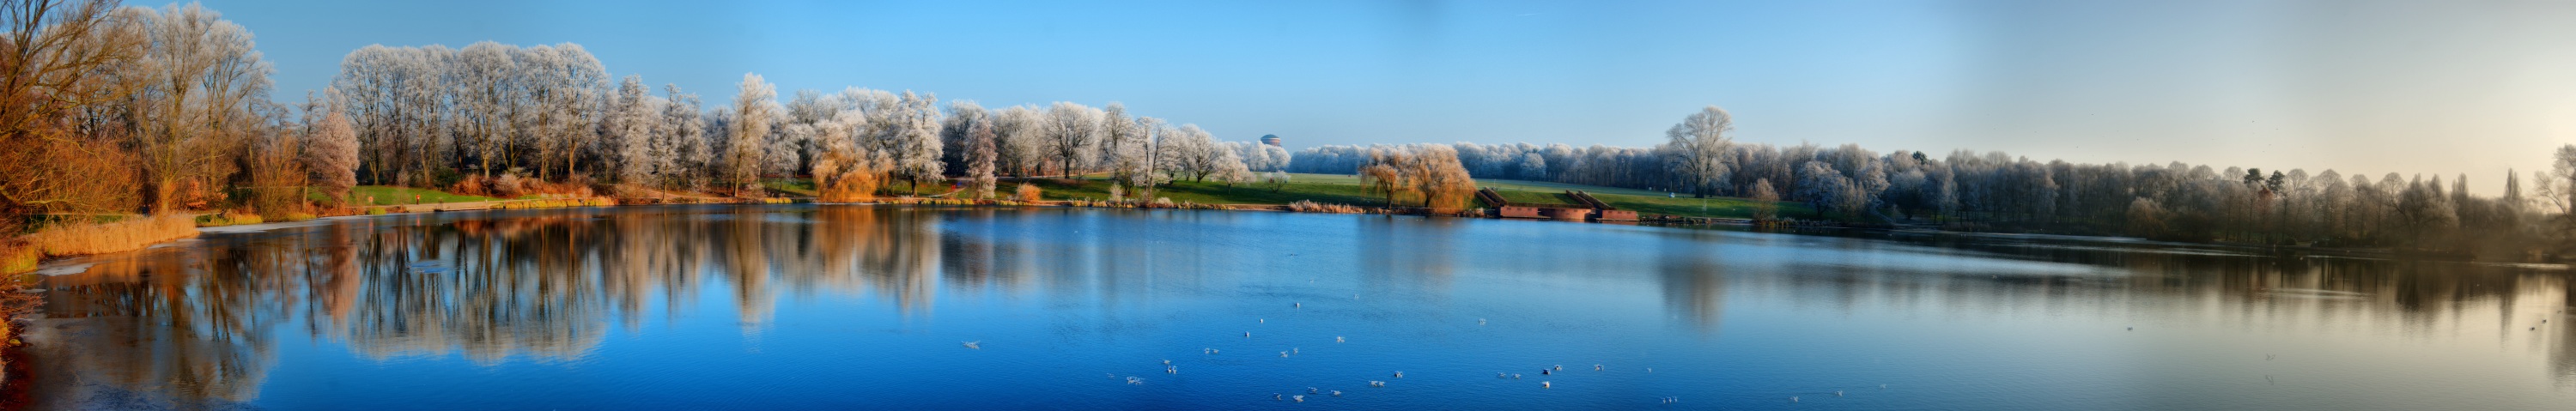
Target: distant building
x=1271, y=139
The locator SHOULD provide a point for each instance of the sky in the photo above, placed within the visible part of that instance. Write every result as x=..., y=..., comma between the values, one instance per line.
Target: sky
x=2429, y=87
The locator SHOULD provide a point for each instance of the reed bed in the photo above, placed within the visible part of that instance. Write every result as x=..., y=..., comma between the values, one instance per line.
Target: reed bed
x=128, y=235
x=1309, y=206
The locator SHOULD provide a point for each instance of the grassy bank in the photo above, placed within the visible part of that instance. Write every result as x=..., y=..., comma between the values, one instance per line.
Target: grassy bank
x=390, y=195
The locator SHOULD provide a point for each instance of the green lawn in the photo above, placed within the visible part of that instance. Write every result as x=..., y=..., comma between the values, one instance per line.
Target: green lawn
x=1346, y=189
x=391, y=195
x=800, y=187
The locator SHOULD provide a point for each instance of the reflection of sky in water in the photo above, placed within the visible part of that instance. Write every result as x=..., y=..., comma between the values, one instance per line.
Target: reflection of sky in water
x=860, y=307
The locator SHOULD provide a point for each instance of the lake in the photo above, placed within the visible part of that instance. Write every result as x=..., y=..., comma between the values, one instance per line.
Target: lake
x=886, y=307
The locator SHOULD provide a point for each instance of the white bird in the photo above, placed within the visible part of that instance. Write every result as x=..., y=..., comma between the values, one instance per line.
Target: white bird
x=1167, y=362
x=1838, y=393
x=1560, y=367
x=1596, y=367
x=1480, y=321
x=1293, y=350
x=1650, y=369
x=1337, y=393
x=1399, y=374
x=1262, y=320
x=1275, y=396
x=1502, y=375
x=1297, y=305
x=1377, y=383
x=1310, y=390
x=1338, y=339
x=973, y=344
x=1300, y=398
x=1283, y=354
x=1135, y=381
x=1171, y=370
x=1793, y=399
x=1544, y=384
x=1516, y=376
x=1247, y=334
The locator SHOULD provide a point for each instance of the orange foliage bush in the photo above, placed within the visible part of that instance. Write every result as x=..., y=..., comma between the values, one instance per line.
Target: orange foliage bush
x=1027, y=193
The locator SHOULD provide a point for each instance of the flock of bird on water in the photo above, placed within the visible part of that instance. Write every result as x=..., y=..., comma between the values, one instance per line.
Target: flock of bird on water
x=1168, y=368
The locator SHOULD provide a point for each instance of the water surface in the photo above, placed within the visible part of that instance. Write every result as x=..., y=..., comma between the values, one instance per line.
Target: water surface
x=767, y=307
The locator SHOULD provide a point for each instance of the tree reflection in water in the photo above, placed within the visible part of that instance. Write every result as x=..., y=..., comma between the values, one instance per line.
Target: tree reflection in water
x=187, y=325
x=192, y=325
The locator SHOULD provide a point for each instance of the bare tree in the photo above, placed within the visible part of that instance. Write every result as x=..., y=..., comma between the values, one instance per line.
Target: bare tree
x=204, y=77
x=58, y=60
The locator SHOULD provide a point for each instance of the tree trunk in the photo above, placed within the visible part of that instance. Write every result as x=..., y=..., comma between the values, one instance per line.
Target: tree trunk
x=163, y=188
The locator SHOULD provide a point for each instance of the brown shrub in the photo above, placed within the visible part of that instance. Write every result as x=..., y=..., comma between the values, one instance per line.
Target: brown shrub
x=508, y=186
x=131, y=234
x=471, y=185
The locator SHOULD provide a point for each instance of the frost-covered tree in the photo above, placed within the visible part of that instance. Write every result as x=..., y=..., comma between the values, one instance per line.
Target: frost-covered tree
x=565, y=85
x=981, y=158
x=1766, y=200
x=754, y=110
x=1023, y=137
x=955, y=129
x=1192, y=152
x=1261, y=157
x=1700, y=144
x=1071, y=132
x=1824, y=188
x=680, y=152
x=634, y=118
x=330, y=149
x=486, y=98
x=1122, y=143
x=912, y=146
x=1145, y=156
x=1533, y=167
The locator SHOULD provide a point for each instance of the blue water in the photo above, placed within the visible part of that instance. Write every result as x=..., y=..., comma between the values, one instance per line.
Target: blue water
x=786, y=307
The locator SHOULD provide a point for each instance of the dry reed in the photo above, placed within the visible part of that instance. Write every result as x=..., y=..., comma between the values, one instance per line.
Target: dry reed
x=128, y=235
x=1310, y=206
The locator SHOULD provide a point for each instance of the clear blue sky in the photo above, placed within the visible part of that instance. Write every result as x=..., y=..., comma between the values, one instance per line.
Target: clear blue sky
x=2412, y=87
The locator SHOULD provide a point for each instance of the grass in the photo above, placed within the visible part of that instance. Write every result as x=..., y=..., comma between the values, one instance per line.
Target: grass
x=225, y=219
x=391, y=195
x=800, y=187
x=1346, y=189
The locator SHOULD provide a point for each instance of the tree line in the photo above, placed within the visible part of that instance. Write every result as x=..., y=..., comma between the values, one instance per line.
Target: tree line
x=1997, y=191
x=177, y=102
